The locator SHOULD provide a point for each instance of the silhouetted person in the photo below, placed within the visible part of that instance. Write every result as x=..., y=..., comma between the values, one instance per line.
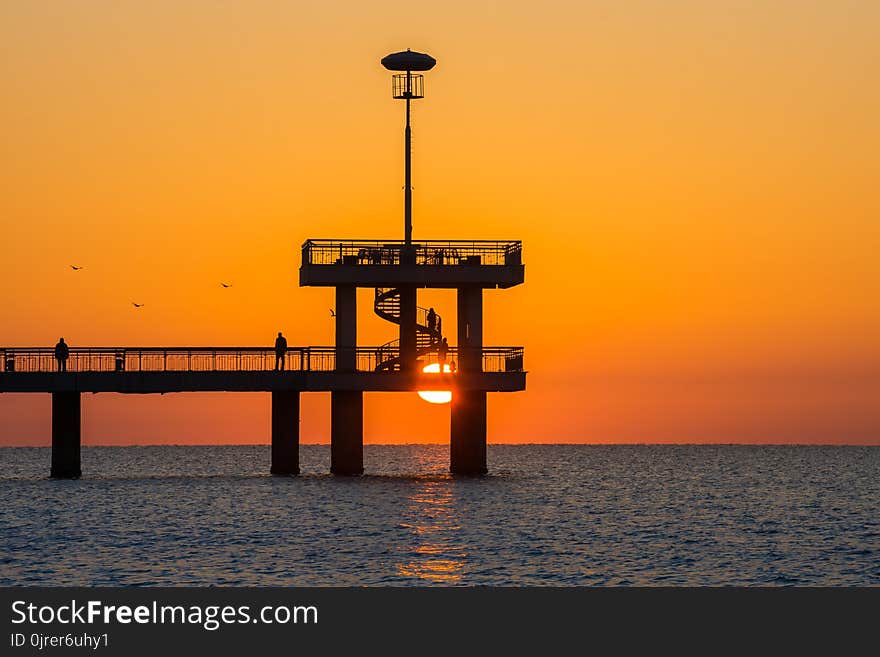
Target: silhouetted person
x=442, y=350
x=432, y=323
x=453, y=367
x=62, y=353
x=280, y=351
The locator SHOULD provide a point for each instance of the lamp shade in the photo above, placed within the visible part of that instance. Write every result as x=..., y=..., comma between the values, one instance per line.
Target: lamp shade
x=408, y=60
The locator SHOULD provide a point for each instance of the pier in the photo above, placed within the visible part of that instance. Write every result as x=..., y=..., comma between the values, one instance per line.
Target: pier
x=422, y=356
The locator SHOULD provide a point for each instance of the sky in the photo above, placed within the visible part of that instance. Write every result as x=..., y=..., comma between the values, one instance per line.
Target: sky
x=694, y=183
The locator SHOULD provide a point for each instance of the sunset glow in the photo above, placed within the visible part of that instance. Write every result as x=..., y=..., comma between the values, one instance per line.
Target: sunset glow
x=694, y=183
x=436, y=396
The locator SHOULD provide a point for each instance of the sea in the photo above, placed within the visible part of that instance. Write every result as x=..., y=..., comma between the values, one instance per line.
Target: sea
x=546, y=515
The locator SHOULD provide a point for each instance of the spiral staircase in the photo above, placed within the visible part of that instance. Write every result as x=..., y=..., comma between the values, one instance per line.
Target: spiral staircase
x=387, y=306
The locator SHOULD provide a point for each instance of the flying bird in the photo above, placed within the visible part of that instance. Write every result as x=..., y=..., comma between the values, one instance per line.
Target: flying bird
x=136, y=305
x=75, y=268
x=225, y=284
x=332, y=313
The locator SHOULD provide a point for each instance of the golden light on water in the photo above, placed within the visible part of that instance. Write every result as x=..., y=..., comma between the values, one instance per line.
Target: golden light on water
x=437, y=554
x=436, y=396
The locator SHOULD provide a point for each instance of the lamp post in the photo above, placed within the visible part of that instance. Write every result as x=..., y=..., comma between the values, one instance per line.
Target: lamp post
x=408, y=86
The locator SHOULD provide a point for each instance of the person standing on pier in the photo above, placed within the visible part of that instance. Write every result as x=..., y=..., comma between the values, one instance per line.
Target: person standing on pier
x=280, y=351
x=442, y=350
x=62, y=353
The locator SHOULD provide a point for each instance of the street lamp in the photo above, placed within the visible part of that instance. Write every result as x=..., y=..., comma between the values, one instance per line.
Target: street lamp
x=408, y=86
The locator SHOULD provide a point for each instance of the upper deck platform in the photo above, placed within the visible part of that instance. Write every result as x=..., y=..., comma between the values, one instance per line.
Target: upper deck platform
x=426, y=263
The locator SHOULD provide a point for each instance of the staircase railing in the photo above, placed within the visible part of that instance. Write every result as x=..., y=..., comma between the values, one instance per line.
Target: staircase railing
x=387, y=307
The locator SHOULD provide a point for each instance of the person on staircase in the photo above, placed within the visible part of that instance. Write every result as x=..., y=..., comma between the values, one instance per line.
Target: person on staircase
x=432, y=323
x=442, y=351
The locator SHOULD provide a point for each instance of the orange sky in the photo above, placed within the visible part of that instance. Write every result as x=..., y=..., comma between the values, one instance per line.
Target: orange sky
x=695, y=184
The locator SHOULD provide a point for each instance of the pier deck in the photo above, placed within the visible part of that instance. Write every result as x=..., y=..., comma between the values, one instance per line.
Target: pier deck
x=146, y=370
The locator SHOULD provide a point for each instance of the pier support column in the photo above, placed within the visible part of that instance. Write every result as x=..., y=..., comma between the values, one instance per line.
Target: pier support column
x=346, y=328
x=285, y=432
x=468, y=412
x=470, y=329
x=346, y=406
x=467, y=446
x=347, y=432
x=408, y=309
x=408, y=315
x=66, y=420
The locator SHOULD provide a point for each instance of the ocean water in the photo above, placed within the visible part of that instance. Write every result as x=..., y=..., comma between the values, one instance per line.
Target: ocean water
x=551, y=515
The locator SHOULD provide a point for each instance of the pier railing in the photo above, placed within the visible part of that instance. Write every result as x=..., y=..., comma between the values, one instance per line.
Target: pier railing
x=427, y=252
x=224, y=359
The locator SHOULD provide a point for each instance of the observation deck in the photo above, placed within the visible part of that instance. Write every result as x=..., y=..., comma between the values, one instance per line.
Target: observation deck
x=425, y=263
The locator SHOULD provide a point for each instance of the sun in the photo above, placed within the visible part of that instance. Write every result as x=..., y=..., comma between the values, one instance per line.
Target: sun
x=436, y=396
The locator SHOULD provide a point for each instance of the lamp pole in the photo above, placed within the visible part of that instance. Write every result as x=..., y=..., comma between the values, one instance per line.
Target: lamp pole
x=407, y=193
x=407, y=86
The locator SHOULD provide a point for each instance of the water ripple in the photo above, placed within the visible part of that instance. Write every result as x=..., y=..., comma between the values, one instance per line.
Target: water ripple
x=554, y=515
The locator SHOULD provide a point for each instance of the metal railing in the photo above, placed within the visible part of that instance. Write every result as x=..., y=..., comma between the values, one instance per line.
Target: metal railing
x=225, y=359
x=426, y=252
x=494, y=359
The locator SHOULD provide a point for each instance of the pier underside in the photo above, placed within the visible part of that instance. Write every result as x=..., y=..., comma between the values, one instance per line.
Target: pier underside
x=167, y=382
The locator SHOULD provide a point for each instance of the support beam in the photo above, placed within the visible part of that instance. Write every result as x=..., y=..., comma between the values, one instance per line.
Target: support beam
x=346, y=328
x=468, y=413
x=346, y=407
x=66, y=420
x=467, y=445
x=285, y=433
x=470, y=328
x=347, y=432
x=408, y=349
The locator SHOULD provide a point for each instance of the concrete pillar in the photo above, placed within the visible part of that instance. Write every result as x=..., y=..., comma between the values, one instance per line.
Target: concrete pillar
x=467, y=445
x=468, y=413
x=346, y=407
x=470, y=329
x=285, y=432
x=408, y=308
x=347, y=432
x=66, y=420
x=346, y=328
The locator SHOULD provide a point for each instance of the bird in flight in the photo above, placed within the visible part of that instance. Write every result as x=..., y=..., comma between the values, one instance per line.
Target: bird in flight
x=225, y=284
x=136, y=305
x=332, y=313
x=75, y=268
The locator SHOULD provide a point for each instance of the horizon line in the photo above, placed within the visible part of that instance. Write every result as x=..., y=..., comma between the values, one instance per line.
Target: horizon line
x=446, y=444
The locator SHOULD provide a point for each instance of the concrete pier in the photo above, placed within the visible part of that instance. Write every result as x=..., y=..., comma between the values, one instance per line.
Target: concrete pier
x=346, y=406
x=408, y=312
x=470, y=328
x=285, y=433
x=397, y=271
x=347, y=432
x=66, y=422
x=467, y=445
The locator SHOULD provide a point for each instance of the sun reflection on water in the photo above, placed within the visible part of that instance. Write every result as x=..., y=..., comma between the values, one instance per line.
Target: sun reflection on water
x=436, y=556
